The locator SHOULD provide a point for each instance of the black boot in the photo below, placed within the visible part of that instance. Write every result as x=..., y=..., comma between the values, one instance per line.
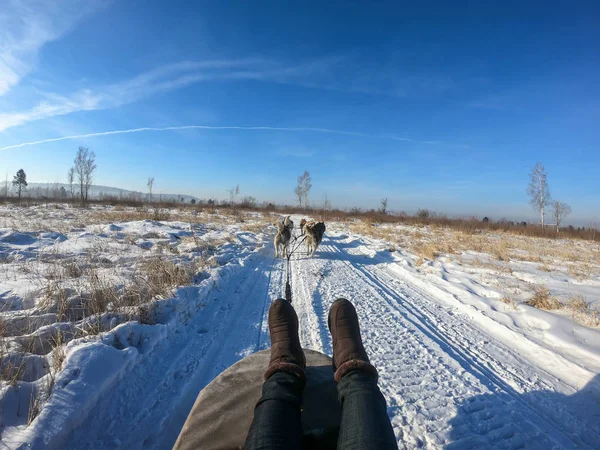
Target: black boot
x=286, y=352
x=348, y=351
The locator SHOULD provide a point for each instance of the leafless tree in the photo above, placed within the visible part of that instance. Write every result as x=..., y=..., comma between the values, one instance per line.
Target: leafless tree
x=84, y=167
x=233, y=193
x=298, y=192
x=307, y=186
x=71, y=180
x=6, y=192
x=538, y=190
x=326, y=203
x=150, y=184
x=383, y=207
x=248, y=201
x=303, y=188
x=560, y=210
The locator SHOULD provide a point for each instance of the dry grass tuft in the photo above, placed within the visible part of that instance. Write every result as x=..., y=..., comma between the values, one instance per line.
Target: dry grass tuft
x=255, y=227
x=72, y=270
x=162, y=275
x=580, y=271
x=35, y=405
x=509, y=301
x=102, y=290
x=500, y=250
x=12, y=371
x=425, y=250
x=582, y=312
x=58, y=353
x=578, y=303
x=543, y=300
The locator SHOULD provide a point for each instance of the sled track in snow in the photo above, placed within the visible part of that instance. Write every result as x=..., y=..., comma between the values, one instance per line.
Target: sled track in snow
x=464, y=347
x=448, y=383
x=433, y=362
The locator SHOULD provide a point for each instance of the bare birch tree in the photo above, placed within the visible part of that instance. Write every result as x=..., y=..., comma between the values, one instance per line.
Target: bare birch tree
x=326, y=203
x=150, y=184
x=303, y=188
x=84, y=167
x=299, y=193
x=560, y=210
x=383, y=207
x=538, y=190
x=233, y=193
x=71, y=180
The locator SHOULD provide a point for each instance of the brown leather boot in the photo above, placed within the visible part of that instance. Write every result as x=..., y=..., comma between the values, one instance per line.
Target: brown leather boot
x=348, y=350
x=286, y=352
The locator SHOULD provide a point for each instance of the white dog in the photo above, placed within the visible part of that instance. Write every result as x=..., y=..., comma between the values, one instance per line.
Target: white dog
x=302, y=223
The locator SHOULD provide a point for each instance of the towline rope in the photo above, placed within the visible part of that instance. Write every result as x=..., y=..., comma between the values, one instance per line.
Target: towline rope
x=288, y=286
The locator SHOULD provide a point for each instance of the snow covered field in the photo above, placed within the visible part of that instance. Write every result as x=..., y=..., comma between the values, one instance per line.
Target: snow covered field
x=113, y=320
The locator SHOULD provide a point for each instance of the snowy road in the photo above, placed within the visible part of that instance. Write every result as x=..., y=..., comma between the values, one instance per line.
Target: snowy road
x=450, y=381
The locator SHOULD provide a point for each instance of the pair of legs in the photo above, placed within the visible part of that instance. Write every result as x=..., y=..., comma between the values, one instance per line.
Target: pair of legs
x=277, y=423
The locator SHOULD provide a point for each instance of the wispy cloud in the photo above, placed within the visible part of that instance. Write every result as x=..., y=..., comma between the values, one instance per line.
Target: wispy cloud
x=210, y=127
x=55, y=105
x=26, y=26
x=184, y=73
x=160, y=79
x=324, y=73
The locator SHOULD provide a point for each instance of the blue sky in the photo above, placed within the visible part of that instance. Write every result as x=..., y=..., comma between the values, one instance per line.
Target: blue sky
x=438, y=105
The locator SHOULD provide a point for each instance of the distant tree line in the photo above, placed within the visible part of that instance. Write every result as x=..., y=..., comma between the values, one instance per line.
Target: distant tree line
x=80, y=178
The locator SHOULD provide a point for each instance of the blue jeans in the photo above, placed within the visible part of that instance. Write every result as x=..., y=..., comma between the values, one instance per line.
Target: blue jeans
x=364, y=425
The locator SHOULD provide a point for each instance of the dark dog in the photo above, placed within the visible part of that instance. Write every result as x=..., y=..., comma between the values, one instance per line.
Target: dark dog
x=288, y=223
x=314, y=234
x=283, y=237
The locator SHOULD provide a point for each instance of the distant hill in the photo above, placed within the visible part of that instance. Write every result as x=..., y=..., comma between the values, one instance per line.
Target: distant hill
x=37, y=190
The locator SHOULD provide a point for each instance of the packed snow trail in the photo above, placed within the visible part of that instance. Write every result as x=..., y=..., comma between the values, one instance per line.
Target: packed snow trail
x=148, y=408
x=448, y=381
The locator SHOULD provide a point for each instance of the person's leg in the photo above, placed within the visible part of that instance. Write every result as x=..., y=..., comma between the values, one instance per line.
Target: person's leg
x=276, y=423
x=365, y=423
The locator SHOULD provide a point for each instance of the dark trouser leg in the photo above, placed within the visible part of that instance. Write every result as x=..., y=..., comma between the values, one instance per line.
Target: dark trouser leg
x=365, y=423
x=277, y=423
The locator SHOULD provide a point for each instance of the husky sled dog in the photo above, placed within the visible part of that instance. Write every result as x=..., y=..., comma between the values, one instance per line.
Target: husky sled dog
x=283, y=236
x=288, y=223
x=302, y=223
x=314, y=232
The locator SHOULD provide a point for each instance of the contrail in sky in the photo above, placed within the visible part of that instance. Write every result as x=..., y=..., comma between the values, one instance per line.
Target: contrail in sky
x=209, y=127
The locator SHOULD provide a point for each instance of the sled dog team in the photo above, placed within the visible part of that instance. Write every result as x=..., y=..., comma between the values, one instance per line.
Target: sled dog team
x=313, y=232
